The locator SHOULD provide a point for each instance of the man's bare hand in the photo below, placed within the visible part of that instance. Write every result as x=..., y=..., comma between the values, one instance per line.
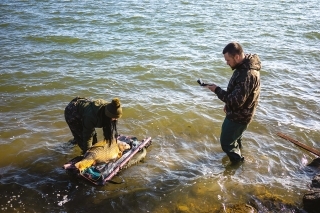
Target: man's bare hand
x=212, y=87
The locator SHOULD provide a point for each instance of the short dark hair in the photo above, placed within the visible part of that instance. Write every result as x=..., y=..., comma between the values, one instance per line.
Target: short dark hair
x=233, y=49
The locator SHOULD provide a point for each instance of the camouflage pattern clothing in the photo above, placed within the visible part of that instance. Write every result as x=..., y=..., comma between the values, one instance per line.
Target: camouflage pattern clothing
x=77, y=118
x=243, y=91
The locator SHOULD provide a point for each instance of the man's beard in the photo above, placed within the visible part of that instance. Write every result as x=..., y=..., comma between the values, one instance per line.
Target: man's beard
x=235, y=66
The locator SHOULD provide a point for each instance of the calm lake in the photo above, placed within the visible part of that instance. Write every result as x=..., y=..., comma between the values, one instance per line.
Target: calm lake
x=150, y=55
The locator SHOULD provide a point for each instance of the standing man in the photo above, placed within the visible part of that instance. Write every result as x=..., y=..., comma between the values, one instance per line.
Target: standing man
x=240, y=98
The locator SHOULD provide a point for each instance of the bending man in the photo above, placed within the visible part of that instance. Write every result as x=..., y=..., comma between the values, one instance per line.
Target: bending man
x=83, y=116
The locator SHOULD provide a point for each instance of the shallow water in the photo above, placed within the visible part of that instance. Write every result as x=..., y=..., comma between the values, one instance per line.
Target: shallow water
x=150, y=54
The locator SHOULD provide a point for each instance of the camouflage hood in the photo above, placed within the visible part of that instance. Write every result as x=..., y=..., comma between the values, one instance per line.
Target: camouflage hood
x=251, y=61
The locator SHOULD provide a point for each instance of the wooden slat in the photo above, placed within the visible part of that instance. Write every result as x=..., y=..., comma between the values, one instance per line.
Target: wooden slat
x=312, y=150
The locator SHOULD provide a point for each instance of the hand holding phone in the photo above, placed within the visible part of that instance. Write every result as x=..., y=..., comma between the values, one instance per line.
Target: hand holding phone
x=201, y=83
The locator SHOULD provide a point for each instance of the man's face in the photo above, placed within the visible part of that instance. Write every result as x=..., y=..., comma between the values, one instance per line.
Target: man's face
x=232, y=61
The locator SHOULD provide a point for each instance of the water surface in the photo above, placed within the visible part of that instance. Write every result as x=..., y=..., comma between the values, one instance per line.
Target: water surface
x=150, y=54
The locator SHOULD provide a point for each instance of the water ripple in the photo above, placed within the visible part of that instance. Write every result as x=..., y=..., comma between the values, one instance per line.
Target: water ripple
x=150, y=54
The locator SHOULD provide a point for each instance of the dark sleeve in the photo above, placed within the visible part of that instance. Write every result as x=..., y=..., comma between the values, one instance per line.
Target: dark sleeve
x=239, y=94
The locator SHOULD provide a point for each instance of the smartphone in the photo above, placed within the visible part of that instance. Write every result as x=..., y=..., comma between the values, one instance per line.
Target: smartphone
x=201, y=83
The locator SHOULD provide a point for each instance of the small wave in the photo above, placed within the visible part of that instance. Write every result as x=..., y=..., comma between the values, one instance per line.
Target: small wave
x=54, y=39
x=312, y=35
x=4, y=25
x=100, y=54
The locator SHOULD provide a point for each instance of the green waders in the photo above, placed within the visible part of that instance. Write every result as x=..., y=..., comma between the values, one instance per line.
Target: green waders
x=230, y=139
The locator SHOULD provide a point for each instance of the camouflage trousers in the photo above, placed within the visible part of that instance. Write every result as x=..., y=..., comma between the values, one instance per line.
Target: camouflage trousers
x=74, y=121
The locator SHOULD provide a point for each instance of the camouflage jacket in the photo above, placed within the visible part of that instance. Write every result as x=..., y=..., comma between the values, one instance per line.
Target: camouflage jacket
x=91, y=117
x=241, y=97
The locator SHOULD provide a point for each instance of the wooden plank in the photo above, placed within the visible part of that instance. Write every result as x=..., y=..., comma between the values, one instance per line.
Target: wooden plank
x=312, y=150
